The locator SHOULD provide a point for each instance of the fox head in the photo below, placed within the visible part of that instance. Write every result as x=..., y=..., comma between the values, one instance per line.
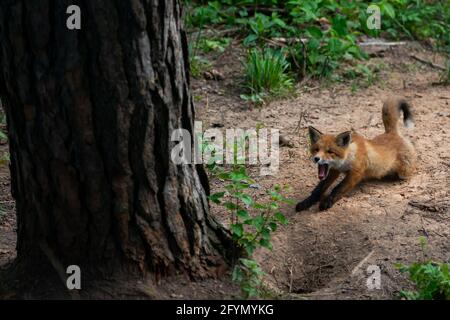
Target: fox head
x=329, y=151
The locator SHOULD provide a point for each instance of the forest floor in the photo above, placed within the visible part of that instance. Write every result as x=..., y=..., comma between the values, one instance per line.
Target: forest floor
x=325, y=255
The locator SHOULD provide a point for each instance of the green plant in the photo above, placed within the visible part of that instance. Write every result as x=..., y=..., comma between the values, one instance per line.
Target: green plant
x=198, y=65
x=208, y=45
x=266, y=73
x=249, y=274
x=361, y=76
x=432, y=280
x=329, y=27
x=198, y=16
x=251, y=222
x=261, y=27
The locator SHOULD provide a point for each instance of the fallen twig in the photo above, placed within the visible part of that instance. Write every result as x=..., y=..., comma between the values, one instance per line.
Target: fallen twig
x=423, y=206
x=429, y=63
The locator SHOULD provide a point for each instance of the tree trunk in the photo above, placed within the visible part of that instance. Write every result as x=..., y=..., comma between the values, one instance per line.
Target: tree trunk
x=90, y=114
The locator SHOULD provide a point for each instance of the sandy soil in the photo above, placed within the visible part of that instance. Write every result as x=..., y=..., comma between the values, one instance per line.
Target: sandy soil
x=324, y=255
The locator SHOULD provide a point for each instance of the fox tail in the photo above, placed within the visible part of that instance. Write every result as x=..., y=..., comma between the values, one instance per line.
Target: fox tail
x=392, y=109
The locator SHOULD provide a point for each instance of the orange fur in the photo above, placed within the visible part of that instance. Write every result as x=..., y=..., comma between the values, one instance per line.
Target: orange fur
x=358, y=158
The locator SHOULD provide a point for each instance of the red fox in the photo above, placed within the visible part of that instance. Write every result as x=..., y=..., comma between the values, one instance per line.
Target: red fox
x=357, y=158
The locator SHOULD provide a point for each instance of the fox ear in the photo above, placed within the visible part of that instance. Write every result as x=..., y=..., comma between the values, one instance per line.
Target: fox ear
x=343, y=139
x=314, y=134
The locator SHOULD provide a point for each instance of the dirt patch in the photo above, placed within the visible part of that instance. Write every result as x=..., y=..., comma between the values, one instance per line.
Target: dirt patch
x=7, y=215
x=325, y=255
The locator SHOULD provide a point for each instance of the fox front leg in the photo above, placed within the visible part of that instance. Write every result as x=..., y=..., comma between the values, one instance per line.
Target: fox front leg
x=312, y=199
x=318, y=192
x=346, y=185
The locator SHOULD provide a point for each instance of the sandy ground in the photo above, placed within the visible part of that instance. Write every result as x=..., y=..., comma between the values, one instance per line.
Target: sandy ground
x=325, y=255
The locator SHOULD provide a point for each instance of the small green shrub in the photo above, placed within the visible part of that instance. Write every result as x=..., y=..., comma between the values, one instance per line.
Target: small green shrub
x=198, y=65
x=208, y=45
x=266, y=73
x=330, y=27
x=432, y=279
x=251, y=222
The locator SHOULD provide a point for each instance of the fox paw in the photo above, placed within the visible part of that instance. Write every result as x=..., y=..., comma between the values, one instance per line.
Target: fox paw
x=303, y=205
x=325, y=204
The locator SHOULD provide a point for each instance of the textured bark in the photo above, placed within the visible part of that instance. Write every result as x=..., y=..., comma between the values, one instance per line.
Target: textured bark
x=90, y=113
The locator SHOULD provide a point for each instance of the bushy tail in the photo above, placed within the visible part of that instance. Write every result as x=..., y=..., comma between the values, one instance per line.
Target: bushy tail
x=392, y=109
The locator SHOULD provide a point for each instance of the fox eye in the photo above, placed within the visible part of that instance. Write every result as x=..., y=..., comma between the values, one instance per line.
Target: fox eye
x=330, y=152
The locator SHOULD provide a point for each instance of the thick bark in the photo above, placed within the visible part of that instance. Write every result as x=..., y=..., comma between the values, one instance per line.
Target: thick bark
x=90, y=113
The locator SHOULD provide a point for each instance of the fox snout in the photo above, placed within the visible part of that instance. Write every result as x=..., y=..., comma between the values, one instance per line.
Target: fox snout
x=319, y=160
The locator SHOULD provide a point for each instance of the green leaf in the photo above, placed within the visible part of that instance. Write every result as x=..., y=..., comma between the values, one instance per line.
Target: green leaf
x=224, y=176
x=242, y=214
x=216, y=197
x=339, y=24
x=273, y=226
x=237, y=229
x=388, y=9
x=237, y=274
x=274, y=205
x=335, y=46
x=230, y=205
x=238, y=175
x=250, y=248
x=314, y=32
x=259, y=206
x=265, y=243
x=250, y=39
x=258, y=222
x=281, y=218
x=246, y=199
x=265, y=233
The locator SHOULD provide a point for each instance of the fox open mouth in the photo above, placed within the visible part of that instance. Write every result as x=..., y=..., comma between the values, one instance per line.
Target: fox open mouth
x=323, y=171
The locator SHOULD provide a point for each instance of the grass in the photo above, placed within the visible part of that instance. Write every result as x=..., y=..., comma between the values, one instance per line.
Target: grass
x=199, y=47
x=266, y=75
x=199, y=65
